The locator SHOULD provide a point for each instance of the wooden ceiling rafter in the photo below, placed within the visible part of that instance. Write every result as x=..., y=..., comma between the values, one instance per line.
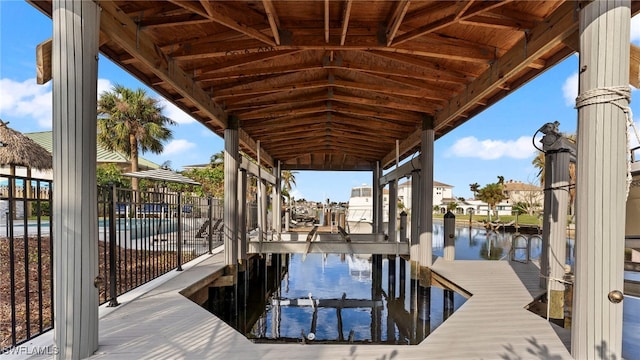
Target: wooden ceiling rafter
x=316, y=81
x=123, y=30
x=274, y=21
x=447, y=21
x=226, y=16
x=398, y=86
x=346, y=15
x=561, y=24
x=396, y=19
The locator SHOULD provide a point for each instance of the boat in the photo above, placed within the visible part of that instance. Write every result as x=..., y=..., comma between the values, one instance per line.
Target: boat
x=360, y=211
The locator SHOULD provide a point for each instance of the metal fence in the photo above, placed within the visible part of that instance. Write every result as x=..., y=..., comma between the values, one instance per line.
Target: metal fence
x=26, y=259
x=141, y=236
x=145, y=234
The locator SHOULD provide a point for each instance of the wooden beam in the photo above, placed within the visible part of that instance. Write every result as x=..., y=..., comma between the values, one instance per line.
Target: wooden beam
x=326, y=21
x=274, y=21
x=43, y=61
x=346, y=14
x=544, y=37
x=123, y=31
x=561, y=24
x=634, y=67
x=448, y=20
x=252, y=168
x=251, y=146
x=396, y=19
x=227, y=16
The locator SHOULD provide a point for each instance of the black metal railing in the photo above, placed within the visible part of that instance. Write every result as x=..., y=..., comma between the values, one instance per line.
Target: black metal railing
x=142, y=235
x=145, y=234
x=26, y=259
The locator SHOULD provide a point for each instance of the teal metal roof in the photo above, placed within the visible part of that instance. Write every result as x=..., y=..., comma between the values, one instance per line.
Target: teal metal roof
x=45, y=139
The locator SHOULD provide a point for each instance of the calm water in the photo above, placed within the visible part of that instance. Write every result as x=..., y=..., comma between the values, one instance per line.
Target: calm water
x=287, y=315
x=472, y=244
x=329, y=298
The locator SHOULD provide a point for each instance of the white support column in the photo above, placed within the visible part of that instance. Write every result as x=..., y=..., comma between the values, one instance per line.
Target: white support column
x=426, y=195
x=377, y=226
x=262, y=209
x=261, y=205
x=242, y=215
x=230, y=216
x=76, y=26
x=596, y=330
x=558, y=152
x=415, y=216
x=393, y=206
x=277, y=198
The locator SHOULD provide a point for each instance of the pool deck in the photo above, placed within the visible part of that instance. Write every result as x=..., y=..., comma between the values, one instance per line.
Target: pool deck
x=492, y=324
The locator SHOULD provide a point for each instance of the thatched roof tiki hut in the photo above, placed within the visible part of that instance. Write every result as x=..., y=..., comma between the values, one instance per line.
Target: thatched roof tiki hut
x=19, y=150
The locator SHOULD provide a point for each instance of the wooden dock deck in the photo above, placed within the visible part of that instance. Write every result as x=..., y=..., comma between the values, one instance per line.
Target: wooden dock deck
x=492, y=324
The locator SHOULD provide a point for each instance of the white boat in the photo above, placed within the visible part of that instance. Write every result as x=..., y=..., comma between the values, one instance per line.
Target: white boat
x=360, y=211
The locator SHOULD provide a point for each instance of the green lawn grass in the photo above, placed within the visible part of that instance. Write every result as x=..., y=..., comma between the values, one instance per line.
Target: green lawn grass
x=522, y=219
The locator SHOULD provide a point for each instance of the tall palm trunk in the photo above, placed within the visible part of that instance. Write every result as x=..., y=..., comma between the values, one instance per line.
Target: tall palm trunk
x=134, y=161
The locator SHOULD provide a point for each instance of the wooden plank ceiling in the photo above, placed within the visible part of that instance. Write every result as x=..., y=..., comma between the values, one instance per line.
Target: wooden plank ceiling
x=335, y=85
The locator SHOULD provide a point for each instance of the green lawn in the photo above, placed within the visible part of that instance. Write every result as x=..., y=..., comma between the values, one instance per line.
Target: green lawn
x=522, y=219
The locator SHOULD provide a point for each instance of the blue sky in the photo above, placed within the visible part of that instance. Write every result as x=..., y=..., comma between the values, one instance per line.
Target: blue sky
x=497, y=142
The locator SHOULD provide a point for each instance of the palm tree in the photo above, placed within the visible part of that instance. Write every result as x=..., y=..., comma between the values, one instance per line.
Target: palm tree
x=217, y=159
x=130, y=120
x=288, y=182
x=474, y=189
x=538, y=162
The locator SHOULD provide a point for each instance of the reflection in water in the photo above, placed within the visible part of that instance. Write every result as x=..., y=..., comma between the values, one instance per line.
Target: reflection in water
x=363, y=299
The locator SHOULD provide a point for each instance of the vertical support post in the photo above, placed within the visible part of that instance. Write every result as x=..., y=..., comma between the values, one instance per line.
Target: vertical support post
x=393, y=209
x=426, y=194
x=179, y=240
x=546, y=230
x=423, y=327
x=557, y=157
x=277, y=198
x=391, y=293
x=262, y=213
x=113, y=279
x=230, y=216
x=449, y=236
x=596, y=331
x=260, y=204
x=403, y=227
x=447, y=303
x=414, y=252
x=76, y=26
x=242, y=218
x=377, y=200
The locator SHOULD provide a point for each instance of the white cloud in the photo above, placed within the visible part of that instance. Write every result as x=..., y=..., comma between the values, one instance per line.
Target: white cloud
x=570, y=89
x=488, y=149
x=178, y=146
x=25, y=99
x=103, y=85
x=175, y=113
